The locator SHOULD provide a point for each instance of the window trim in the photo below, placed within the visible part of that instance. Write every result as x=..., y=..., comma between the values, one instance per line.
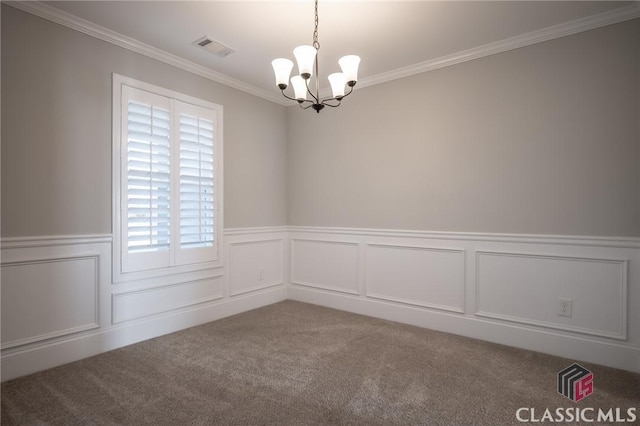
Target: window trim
x=119, y=244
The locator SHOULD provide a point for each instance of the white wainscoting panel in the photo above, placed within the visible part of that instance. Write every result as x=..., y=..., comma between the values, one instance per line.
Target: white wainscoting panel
x=526, y=288
x=502, y=288
x=146, y=302
x=330, y=265
x=48, y=298
x=256, y=264
x=422, y=276
x=59, y=302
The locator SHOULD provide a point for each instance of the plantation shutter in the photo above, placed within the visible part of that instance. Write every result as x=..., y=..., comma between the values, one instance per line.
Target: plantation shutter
x=147, y=178
x=197, y=180
x=169, y=206
x=147, y=195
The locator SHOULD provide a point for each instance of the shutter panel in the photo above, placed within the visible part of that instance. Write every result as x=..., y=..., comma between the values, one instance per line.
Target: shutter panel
x=197, y=183
x=148, y=195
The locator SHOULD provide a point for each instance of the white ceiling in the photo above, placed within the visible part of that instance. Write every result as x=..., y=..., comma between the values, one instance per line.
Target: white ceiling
x=387, y=35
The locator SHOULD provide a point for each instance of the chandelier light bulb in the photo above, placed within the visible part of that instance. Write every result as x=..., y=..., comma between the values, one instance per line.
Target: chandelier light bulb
x=338, y=81
x=349, y=65
x=305, y=56
x=282, y=69
x=299, y=87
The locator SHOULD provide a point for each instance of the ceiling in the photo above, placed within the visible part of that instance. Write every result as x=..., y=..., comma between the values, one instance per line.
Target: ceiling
x=387, y=35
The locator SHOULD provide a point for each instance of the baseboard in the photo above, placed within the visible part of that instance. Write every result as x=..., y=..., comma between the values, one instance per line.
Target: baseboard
x=36, y=358
x=549, y=342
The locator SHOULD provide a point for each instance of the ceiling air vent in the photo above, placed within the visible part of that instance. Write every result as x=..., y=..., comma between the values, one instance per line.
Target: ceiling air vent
x=212, y=46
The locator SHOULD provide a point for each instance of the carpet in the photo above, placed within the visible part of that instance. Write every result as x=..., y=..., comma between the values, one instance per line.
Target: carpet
x=293, y=363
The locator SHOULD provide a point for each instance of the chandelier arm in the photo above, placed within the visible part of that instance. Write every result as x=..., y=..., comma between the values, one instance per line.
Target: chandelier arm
x=315, y=97
x=300, y=101
x=325, y=102
x=348, y=93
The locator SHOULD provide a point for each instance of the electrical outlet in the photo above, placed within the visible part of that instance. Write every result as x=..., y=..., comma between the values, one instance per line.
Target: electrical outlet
x=260, y=274
x=565, y=307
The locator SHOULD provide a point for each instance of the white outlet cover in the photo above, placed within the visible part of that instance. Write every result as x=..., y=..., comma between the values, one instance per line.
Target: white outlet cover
x=565, y=307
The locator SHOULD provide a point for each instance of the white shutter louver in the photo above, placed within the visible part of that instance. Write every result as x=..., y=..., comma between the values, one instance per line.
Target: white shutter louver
x=196, y=182
x=148, y=133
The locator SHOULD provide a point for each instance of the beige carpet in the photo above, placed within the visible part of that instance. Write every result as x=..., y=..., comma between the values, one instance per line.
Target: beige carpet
x=298, y=364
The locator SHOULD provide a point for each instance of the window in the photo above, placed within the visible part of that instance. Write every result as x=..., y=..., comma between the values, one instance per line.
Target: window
x=167, y=180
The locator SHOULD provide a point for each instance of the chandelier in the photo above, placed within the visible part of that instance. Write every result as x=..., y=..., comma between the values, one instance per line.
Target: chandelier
x=306, y=56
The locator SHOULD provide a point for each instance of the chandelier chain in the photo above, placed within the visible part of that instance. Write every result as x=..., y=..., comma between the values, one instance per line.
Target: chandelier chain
x=316, y=44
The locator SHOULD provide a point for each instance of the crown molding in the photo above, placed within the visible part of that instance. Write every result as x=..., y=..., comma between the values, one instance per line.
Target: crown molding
x=614, y=16
x=71, y=21
x=556, y=31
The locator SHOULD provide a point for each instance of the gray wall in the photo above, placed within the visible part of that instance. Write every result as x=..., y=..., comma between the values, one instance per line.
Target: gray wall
x=56, y=132
x=544, y=139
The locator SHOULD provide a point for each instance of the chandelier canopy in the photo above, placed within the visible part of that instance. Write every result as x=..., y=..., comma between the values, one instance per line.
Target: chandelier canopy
x=307, y=59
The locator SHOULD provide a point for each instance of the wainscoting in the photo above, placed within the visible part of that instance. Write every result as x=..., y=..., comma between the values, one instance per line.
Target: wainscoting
x=53, y=288
x=59, y=303
x=501, y=288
